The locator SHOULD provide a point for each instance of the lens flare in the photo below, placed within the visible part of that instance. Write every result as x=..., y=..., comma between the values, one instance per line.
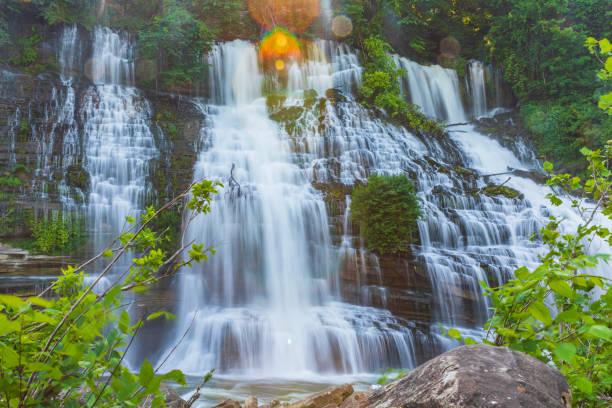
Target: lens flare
x=279, y=65
x=295, y=15
x=279, y=44
x=342, y=26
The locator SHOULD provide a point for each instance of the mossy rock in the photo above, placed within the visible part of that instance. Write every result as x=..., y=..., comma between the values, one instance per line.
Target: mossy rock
x=465, y=172
x=275, y=101
x=289, y=114
x=495, y=191
x=78, y=177
x=310, y=98
x=335, y=95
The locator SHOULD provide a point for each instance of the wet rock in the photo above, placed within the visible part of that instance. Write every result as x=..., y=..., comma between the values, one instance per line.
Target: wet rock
x=173, y=400
x=354, y=400
x=476, y=376
x=77, y=176
x=332, y=397
x=251, y=402
x=272, y=404
x=228, y=403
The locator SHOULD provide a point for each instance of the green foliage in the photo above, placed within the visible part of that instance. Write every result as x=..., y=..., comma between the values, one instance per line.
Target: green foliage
x=603, y=51
x=10, y=183
x=67, y=11
x=56, y=233
x=68, y=351
x=29, y=48
x=380, y=88
x=177, y=41
x=387, y=210
x=559, y=312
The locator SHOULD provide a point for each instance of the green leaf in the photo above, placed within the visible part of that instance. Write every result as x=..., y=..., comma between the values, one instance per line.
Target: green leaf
x=168, y=316
x=548, y=166
x=584, y=385
x=146, y=373
x=606, y=46
x=11, y=301
x=124, y=322
x=175, y=375
x=111, y=296
x=8, y=357
x=455, y=334
x=565, y=351
x=107, y=254
x=600, y=331
x=562, y=288
x=539, y=310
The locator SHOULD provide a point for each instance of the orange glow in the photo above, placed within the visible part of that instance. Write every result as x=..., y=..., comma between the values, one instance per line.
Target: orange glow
x=279, y=65
x=295, y=15
x=279, y=44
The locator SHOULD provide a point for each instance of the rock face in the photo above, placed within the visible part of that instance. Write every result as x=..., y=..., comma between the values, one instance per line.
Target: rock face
x=333, y=397
x=476, y=377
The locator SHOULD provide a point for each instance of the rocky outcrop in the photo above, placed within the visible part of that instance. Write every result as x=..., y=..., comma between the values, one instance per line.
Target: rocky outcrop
x=476, y=376
x=333, y=397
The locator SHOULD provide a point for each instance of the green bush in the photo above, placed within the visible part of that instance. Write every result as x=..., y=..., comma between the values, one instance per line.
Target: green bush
x=68, y=350
x=56, y=233
x=387, y=210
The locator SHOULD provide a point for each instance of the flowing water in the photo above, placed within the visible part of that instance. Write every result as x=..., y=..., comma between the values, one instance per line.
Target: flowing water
x=263, y=305
x=268, y=311
x=117, y=140
x=267, y=304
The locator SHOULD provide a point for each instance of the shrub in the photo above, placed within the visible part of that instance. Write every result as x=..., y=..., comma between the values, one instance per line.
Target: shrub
x=387, y=210
x=57, y=232
x=68, y=350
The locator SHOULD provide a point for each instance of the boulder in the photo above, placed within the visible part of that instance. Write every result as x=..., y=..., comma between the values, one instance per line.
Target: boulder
x=228, y=403
x=476, y=376
x=251, y=402
x=331, y=397
x=173, y=399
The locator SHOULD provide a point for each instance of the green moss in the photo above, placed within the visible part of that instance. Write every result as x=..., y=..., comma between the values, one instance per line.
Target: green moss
x=288, y=114
x=78, y=177
x=275, y=101
x=493, y=191
x=465, y=172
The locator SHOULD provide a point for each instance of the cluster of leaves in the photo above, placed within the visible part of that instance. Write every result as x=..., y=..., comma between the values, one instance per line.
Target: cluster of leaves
x=68, y=350
x=387, y=210
x=380, y=88
x=29, y=49
x=603, y=51
x=177, y=41
x=56, y=232
x=539, y=46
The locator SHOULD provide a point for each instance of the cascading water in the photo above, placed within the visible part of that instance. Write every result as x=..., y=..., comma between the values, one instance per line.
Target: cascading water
x=118, y=143
x=268, y=303
x=432, y=88
x=264, y=304
x=476, y=82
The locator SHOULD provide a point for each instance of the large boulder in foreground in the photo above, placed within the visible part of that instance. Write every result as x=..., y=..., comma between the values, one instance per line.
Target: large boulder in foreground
x=476, y=376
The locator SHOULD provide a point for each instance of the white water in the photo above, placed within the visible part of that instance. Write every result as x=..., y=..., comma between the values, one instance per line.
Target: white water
x=263, y=305
x=267, y=304
x=476, y=84
x=118, y=143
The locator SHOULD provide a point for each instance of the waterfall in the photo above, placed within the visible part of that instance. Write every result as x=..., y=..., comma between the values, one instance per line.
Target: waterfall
x=118, y=143
x=476, y=84
x=265, y=303
x=432, y=88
